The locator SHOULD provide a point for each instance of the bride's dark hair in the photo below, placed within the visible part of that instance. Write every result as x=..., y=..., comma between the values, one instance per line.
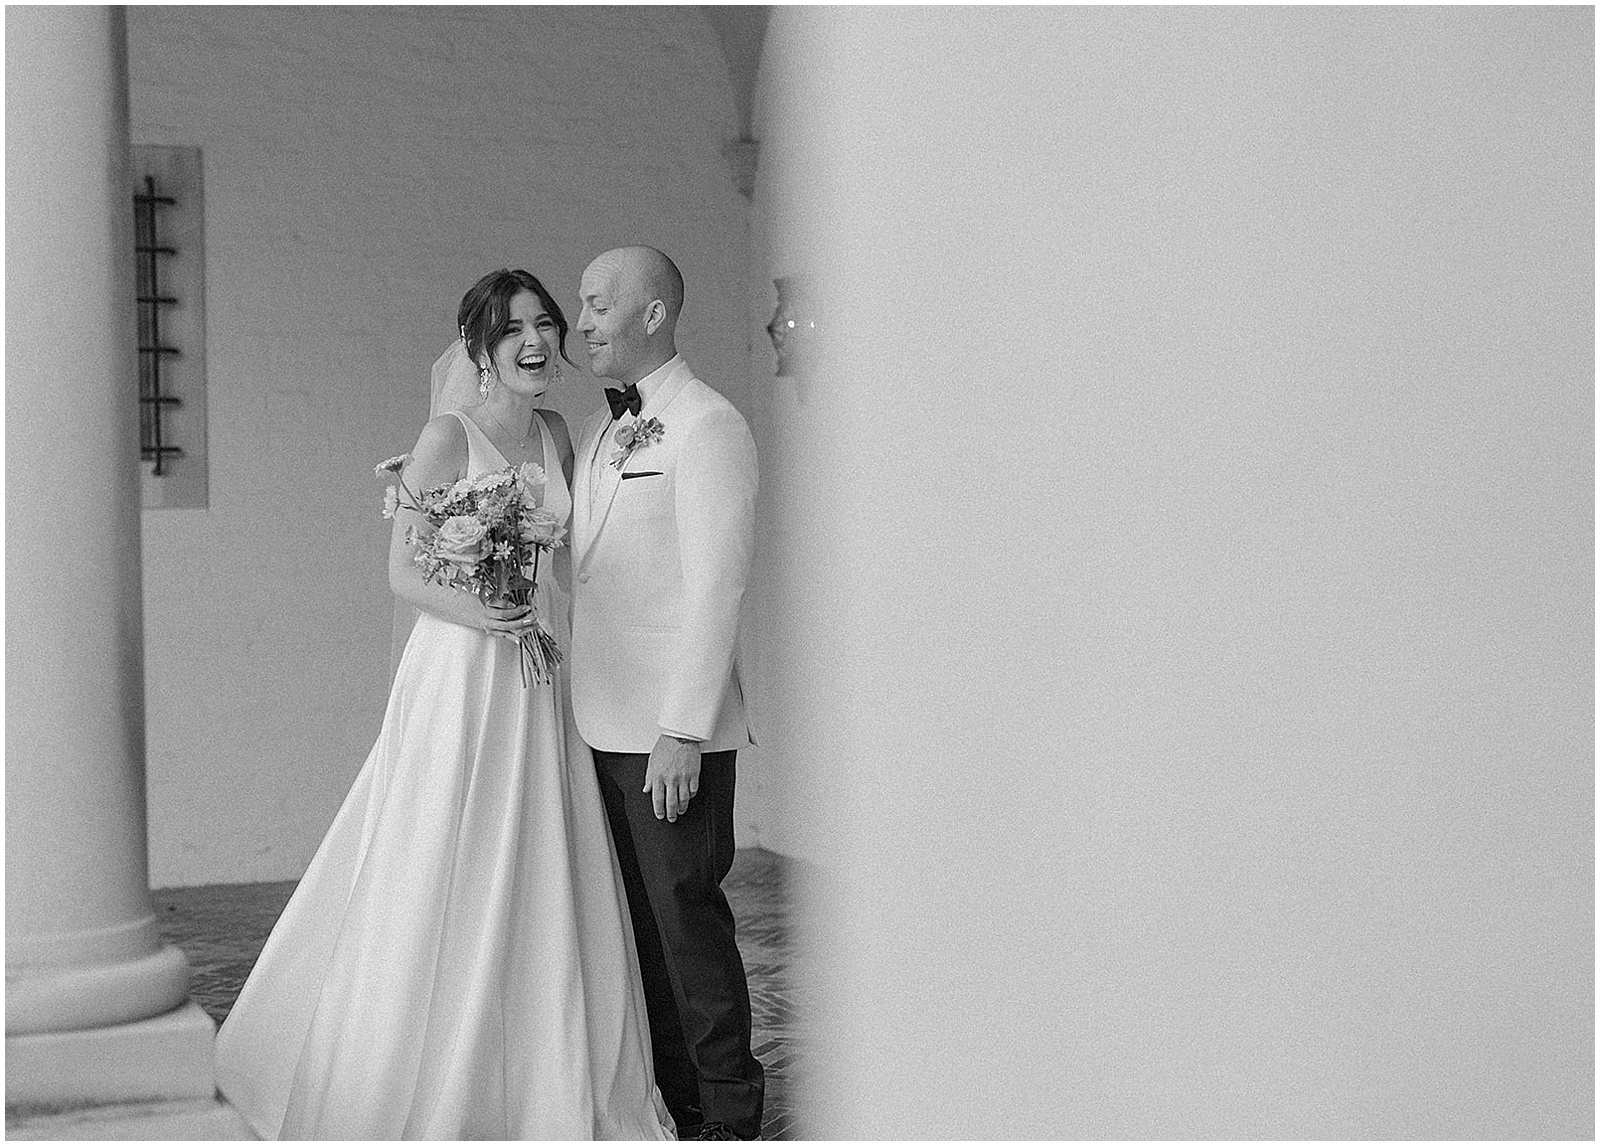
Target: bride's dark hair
x=485, y=312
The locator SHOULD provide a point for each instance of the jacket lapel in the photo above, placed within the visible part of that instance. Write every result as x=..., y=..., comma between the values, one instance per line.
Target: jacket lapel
x=608, y=476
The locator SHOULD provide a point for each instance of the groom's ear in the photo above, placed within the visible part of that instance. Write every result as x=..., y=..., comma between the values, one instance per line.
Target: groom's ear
x=654, y=315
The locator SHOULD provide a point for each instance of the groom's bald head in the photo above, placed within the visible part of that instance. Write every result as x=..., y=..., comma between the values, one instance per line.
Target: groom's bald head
x=631, y=298
x=657, y=275
x=646, y=275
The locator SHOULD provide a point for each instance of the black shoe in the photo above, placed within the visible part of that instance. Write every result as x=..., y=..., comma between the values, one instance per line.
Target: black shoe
x=689, y=1122
x=717, y=1132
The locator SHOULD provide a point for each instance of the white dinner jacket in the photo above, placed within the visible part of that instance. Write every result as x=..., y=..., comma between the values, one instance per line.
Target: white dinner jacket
x=661, y=553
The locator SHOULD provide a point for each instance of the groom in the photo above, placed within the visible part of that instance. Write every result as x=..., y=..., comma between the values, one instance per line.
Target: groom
x=663, y=522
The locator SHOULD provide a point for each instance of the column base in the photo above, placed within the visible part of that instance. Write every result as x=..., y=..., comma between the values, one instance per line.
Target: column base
x=164, y=1059
x=134, y=975
x=211, y=1120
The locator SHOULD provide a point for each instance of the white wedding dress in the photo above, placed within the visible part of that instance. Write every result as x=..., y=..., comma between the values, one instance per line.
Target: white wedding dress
x=457, y=961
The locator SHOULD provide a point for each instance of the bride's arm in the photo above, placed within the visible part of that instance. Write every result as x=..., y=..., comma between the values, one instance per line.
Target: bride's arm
x=440, y=456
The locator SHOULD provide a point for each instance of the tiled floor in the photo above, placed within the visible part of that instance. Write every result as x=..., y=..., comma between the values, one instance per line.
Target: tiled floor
x=221, y=929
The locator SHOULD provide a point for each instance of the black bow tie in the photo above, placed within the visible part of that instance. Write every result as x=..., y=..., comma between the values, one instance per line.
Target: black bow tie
x=625, y=399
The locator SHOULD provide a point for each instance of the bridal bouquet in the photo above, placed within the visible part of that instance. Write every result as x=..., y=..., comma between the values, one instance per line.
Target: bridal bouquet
x=484, y=535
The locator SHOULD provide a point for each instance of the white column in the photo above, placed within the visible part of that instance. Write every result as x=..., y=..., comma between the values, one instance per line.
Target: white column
x=96, y=1004
x=82, y=948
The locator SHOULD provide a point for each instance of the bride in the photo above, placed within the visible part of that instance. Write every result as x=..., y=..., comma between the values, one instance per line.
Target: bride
x=457, y=961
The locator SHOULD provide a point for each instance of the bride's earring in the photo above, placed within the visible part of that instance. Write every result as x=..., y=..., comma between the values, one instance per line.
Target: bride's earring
x=556, y=375
x=484, y=381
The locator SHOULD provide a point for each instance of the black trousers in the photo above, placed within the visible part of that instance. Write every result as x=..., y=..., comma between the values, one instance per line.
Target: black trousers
x=694, y=982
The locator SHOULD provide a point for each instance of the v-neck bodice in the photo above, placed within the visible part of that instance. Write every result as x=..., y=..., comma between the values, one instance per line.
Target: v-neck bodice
x=484, y=457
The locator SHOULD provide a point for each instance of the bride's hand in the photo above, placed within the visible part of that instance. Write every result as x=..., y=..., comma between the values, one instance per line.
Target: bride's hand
x=509, y=621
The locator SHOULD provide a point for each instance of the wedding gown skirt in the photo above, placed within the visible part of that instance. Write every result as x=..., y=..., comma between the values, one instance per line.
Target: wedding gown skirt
x=457, y=961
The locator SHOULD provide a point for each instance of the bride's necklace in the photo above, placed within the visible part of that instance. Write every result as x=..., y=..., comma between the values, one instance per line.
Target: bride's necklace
x=509, y=435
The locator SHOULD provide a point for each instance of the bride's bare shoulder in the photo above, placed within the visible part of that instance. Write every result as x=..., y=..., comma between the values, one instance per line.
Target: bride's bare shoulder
x=442, y=444
x=444, y=430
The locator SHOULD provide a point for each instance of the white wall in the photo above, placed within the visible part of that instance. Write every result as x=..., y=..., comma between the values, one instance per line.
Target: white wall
x=362, y=168
x=1191, y=645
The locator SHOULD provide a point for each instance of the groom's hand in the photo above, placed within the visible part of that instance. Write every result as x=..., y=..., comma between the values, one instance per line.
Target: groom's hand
x=673, y=776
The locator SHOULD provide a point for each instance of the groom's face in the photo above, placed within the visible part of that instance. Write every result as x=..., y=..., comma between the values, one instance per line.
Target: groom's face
x=612, y=323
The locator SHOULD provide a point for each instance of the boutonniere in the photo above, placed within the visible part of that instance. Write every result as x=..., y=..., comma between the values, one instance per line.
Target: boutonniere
x=633, y=436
